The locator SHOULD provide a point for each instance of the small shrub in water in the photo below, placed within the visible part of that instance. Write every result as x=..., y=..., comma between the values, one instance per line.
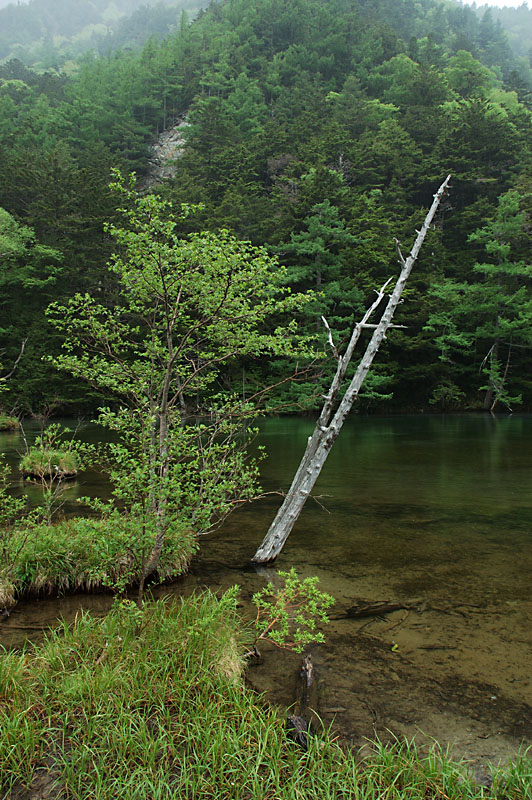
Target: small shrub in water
x=41, y=464
x=289, y=616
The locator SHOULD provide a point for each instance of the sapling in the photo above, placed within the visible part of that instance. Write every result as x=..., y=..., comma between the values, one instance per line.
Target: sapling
x=187, y=310
x=13, y=515
x=289, y=616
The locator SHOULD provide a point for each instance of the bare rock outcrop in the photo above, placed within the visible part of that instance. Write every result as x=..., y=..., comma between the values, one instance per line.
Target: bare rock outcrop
x=166, y=149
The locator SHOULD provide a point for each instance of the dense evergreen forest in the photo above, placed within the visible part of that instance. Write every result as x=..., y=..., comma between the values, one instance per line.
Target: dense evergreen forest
x=319, y=128
x=517, y=23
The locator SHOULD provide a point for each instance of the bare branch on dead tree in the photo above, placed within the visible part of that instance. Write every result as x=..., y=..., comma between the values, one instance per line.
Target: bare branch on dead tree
x=15, y=365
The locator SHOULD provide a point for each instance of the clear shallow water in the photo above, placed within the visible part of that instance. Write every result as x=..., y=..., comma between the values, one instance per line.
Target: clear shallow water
x=435, y=510
x=409, y=495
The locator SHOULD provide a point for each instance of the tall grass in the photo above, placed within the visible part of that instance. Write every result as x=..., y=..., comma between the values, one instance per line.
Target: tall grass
x=84, y=554
x=8, y=422
x=41, y=463
x=150, y=703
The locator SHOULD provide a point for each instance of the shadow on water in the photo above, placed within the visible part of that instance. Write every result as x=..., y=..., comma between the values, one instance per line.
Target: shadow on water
x=432, y=512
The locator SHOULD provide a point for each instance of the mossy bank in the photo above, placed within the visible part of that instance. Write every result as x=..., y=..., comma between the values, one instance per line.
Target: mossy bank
x=9, y=422
x=45, y=464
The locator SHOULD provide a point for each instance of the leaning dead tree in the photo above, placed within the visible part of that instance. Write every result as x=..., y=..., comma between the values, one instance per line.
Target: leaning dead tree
x=5, y=378
x=330, y=423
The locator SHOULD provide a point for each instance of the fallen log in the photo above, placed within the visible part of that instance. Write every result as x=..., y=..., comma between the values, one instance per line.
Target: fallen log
x=378, y=609
x=381, y=607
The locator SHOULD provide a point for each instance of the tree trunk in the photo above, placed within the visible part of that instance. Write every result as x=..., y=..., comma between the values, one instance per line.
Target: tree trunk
x=326, y=431
x=489, y=401
x=160, y=500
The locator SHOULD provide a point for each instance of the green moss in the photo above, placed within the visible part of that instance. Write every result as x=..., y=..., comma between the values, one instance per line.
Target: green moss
x=86, y=554
x=45, y=464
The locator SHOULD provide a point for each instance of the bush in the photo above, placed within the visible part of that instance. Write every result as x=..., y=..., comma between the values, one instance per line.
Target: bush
x=8, y=423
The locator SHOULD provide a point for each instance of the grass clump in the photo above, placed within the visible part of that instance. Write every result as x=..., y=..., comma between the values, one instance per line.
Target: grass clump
x=8, y=422
x=85, y=554
x=7, y=591
x=39, y=464
x=149, y=703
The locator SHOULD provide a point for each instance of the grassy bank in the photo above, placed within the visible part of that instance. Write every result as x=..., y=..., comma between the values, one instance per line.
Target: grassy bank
x=84, y=554
x=151, y=704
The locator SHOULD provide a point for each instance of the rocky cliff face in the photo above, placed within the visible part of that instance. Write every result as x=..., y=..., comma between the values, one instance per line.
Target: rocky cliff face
x=165, y=150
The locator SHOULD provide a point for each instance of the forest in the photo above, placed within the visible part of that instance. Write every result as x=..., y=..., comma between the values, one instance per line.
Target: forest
x=198, y=204
x=317, y=130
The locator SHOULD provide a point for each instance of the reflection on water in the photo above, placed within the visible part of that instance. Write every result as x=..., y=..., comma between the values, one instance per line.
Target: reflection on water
x=432, y=508
x=407, y=496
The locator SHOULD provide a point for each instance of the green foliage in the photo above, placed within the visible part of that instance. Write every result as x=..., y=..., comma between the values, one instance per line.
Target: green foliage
x=149, y=702
x=55, y=457
x=12, y=516
x=26, y=262
x=42, y=463
x=85, y=554
x=29, y=277
x=310, y=125
x=468, y=77
x=11, y=507
x=447, y=396
x=289, y=615
x=487, y=318
x=8, y=422
x=186, y=308
x=496, y=390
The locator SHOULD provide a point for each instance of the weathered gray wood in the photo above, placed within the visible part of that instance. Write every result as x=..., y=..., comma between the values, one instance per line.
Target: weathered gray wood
x=327, y=429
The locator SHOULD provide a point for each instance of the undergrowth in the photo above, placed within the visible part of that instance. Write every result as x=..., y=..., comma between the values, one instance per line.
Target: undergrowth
x=8, y=422
x=84, y=553
x=150, y=703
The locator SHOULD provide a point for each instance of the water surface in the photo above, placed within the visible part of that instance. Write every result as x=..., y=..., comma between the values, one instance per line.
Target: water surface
x=431, y=511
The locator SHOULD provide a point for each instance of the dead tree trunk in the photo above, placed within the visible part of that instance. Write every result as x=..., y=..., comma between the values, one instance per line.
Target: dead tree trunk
x=327, y=430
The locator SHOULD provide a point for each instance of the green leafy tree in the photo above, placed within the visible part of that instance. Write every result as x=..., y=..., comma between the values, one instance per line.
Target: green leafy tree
x=318, y=262
x=186, y=309
x=468, y=77
x=28, y=278
x=505, y=305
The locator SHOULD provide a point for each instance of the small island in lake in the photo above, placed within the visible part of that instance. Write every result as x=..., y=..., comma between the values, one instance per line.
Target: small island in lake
x=39, y=464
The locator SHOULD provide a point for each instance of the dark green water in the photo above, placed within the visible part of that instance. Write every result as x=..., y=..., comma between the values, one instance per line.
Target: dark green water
x=431, y=509
x=430, y=503
x=410, y=496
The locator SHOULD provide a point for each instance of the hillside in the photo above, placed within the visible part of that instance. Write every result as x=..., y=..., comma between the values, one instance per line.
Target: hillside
x=46, y=33
x=317, y=129
x=517, y=24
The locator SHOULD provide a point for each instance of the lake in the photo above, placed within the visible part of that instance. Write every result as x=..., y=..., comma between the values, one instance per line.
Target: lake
x=431, y=513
